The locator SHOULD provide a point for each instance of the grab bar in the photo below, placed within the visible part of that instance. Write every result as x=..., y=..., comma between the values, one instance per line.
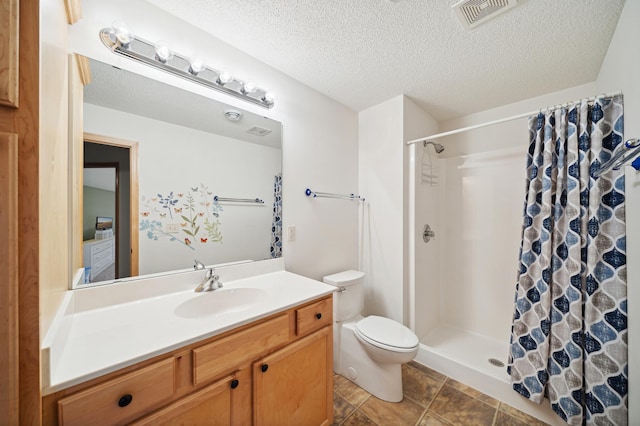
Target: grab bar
x=239, y=200
x=622, y=154
x=315, y=194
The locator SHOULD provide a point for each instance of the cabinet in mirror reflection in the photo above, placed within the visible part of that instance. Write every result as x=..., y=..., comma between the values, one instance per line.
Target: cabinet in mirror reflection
x=188, y=152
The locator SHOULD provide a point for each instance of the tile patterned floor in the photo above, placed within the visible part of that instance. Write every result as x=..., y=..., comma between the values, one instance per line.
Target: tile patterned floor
x=430, y=399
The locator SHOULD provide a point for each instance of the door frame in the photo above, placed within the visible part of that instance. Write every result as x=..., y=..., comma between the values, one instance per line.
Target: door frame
x=134, y=225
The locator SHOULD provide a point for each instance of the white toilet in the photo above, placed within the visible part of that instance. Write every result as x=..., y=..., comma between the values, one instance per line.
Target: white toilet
x=368, y=351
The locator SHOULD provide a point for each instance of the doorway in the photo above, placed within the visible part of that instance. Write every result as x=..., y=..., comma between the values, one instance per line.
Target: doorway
x=101, y=221
x=103, y=152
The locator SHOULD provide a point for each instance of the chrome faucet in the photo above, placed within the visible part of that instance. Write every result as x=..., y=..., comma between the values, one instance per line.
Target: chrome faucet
x=210, y=282
x=197, y=265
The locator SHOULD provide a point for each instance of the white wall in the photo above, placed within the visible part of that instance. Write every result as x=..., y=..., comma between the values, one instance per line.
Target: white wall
x=386, y=222
x=177, y=159
x=421, y=259
x=508, y=134
x=320, y=149
x=620, y=71
x=381, y=182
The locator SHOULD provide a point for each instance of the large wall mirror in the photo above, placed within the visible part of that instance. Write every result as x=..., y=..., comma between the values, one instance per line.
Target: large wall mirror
x=208, y=176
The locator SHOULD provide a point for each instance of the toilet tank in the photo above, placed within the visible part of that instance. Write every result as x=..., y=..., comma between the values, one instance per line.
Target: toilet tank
x=348, y=301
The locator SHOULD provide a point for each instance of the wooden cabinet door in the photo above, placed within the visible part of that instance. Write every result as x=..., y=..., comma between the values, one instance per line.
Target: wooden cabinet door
x=222, y=403
x=9, y=48
x=294, y=386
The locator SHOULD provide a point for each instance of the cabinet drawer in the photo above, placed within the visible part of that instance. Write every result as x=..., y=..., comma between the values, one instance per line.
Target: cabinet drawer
x=106, y=254
x=315, y=316
x=144, y=390
x=100, y=264
x=101, y=246
x=212, y=360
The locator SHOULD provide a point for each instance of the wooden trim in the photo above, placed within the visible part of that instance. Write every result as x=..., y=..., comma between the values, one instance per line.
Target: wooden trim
x=84, y=68
x=76, y=160
x=135, y=211
x=27, y=125
x=134, y=191
x=108, y=140
x=74, y=11
x=9, y=60
x=9, y=367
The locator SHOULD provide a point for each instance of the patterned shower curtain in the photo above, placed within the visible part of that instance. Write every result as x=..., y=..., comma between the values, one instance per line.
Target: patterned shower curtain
x=569, y=333
x=276, y=225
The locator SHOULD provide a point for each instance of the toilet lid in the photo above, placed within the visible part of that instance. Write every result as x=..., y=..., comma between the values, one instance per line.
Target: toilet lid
x=387, y=332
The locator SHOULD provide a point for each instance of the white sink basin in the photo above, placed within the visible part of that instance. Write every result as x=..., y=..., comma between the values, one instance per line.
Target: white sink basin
x=219, y=302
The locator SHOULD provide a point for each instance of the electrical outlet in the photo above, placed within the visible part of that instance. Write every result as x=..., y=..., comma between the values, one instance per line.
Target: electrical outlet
x=291, y=233
x=172, y=228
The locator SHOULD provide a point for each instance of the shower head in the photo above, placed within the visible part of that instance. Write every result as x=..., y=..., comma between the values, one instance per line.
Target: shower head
x=439, y=148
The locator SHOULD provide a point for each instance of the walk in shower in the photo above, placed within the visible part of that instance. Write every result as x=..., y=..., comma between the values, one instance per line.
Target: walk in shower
x=464, y=277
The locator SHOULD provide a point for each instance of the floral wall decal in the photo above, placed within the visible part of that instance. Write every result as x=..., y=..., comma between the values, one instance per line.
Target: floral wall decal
x=188, y=218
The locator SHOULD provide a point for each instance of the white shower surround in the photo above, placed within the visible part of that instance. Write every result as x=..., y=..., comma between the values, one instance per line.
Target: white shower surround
x=476, y=212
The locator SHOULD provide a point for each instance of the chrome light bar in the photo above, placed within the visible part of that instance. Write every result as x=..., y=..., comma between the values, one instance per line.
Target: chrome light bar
x=148, y=53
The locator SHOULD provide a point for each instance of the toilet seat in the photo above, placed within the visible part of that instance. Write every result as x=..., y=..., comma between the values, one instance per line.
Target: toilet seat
x=386, y=334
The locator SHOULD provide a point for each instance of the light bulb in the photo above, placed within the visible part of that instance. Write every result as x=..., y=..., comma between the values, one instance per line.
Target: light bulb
x=163, y=52
x=248, y=87
x=269, y=97
x=197, y=65
x=122, y=34
x=224, y=77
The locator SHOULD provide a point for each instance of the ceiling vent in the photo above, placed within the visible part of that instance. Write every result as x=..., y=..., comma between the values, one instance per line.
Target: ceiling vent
x=259, y=131
x=475, y=12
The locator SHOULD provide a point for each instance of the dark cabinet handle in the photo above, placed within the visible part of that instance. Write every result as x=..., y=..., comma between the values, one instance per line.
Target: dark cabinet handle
x=125, y=400
x=234, y=383
x=318, y=315
x=264, y=367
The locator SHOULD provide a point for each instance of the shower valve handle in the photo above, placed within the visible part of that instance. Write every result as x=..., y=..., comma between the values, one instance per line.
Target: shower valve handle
x=428, y=234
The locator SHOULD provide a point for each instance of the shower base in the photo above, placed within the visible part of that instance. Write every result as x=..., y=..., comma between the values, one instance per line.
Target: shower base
x=464, y=356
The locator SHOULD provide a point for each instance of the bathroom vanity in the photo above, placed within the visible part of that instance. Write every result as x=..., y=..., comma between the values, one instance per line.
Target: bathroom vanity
x=270, y=363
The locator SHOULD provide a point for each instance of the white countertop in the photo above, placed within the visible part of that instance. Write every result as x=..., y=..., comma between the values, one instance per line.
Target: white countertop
x=103, y=329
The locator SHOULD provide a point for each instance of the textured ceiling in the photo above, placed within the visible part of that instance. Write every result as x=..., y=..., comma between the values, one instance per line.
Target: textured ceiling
x=361, y=53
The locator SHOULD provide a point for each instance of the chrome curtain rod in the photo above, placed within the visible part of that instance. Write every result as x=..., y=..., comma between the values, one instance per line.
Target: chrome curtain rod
x=239, y=200
x=623, y=153
x=310, y=193
x=501, y=120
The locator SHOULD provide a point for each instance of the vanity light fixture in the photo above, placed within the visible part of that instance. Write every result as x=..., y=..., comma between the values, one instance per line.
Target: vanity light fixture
x=121, y=41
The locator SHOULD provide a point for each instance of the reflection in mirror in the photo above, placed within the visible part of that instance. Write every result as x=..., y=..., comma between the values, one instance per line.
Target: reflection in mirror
x=191, y=149
x=100, y=221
